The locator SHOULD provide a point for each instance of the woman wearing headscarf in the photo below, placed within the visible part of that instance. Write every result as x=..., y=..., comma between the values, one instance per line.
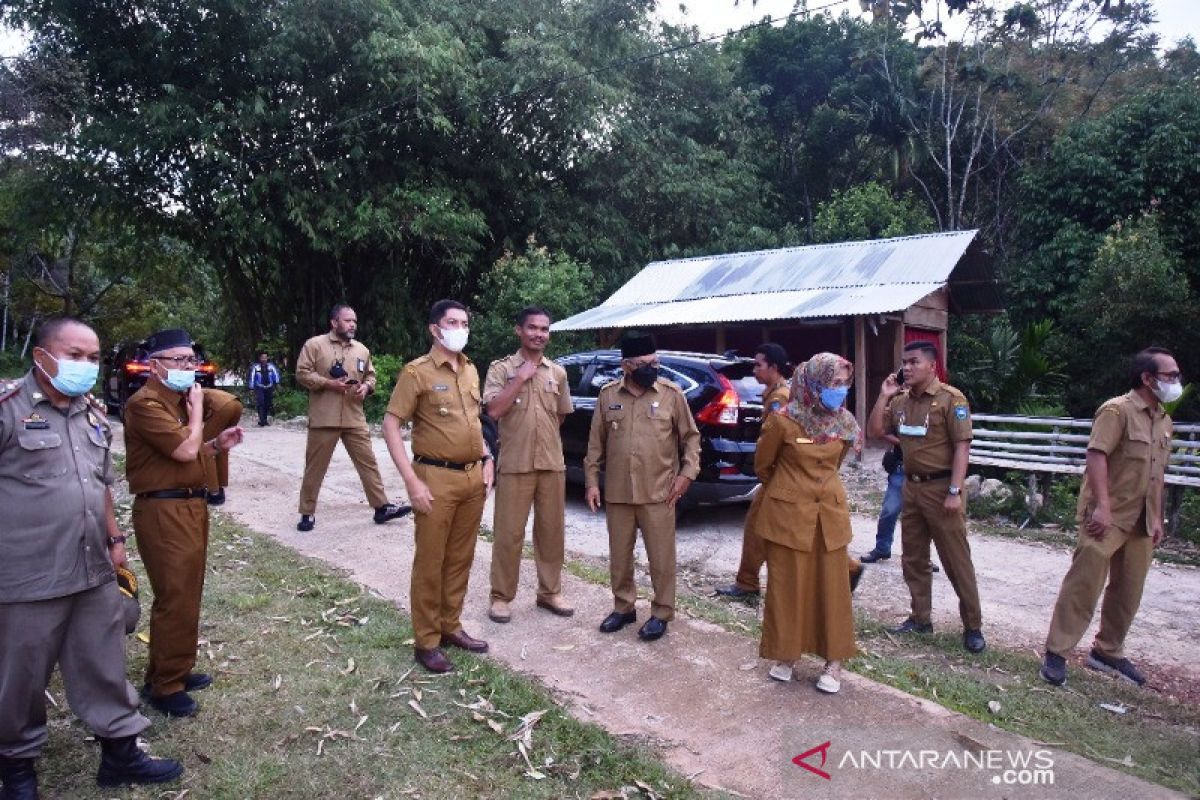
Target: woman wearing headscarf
x=805, y=522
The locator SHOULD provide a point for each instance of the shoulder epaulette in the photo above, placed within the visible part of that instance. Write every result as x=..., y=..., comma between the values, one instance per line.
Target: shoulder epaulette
x=610, y=383
x=9, y=390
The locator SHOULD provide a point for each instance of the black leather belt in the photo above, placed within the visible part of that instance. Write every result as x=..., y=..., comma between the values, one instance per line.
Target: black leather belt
x=175, y=494
x=933, y=476
x=437, y=462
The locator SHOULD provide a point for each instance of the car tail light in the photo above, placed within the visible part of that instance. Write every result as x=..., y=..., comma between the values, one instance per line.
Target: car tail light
x=136, y=367
x=208, y=368
x=729, y=470
x=723, y=410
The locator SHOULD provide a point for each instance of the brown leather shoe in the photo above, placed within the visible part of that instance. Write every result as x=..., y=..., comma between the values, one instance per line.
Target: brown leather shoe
x=555, y=605
x=498, y=611
x=462, y=640
x=433, y=660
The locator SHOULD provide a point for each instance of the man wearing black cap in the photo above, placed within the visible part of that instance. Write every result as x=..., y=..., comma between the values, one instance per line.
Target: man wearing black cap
x=172, y=439
x=644, y=438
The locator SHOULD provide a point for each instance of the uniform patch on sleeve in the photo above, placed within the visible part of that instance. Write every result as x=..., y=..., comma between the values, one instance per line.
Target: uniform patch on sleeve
x=961, y=412
x=776, y=405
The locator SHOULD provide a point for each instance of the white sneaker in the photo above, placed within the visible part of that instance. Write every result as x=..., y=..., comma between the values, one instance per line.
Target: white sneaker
x=828, y=684
x=780, y=672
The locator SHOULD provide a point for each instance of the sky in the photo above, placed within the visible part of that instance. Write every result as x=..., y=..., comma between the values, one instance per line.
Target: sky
x=1176, y=18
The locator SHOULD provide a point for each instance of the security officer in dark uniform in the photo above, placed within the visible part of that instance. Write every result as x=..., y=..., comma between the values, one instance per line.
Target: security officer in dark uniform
x=933, y=422
x=59, y=546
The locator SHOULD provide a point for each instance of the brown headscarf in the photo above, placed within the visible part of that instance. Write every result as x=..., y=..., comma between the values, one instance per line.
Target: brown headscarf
x=806, y=408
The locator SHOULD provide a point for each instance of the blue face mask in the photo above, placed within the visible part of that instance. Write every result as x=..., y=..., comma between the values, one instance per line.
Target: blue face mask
x=180, y=380
x=832, y=397
x=74, y=378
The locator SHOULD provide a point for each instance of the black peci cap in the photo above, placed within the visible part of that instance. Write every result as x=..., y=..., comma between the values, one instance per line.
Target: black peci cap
x=165, y=340
x=635, y=346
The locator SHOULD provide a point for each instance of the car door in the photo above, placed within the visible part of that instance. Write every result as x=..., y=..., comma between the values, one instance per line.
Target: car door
x=578, y=423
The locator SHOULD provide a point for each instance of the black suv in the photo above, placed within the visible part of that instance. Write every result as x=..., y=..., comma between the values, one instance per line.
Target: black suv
x=725, y=400
x=126, y=367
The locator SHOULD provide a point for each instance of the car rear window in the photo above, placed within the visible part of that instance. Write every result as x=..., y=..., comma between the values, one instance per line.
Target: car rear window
x=741, y=375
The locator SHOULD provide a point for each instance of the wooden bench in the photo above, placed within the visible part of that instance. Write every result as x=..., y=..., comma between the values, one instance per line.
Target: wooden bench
x=1049, y=446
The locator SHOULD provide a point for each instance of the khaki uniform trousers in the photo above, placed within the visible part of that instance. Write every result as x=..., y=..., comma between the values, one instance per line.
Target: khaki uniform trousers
x=657, y=523
x=754, y=553
x=445, y=548
x=84, y=634
x=545, y=492
x=1124, y=558
x=924, y=520
x=172, y=537
x=225, y=415
x=321, y=443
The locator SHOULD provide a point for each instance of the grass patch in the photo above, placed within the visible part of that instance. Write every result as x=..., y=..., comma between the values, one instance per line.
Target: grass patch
x=316, y=696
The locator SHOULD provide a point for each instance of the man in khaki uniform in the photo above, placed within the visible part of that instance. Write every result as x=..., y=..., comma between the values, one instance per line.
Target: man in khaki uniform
x=59, y=547
x=1120, y=516
x=933, y=423
x=171, y=442
x=447, y=477
x=645, y=439
x=337, y=371
x=770, y=364
x=528, y=395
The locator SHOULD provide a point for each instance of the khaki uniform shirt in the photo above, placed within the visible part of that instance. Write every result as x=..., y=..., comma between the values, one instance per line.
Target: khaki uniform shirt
x=802, y=487
x=1137, y=441
x=443, y=407
x=329, y=408
x=641, y=442
x=944, y=412
x=156, y=423
x=55, y=470
x=529, y=432
x=776, y=398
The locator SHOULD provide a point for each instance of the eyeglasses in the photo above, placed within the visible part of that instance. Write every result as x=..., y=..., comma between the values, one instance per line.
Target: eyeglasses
x=1170, y=376
x=178, y=361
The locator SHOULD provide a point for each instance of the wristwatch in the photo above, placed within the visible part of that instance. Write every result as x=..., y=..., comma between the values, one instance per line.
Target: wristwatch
x=955, y=491
x=117, y=540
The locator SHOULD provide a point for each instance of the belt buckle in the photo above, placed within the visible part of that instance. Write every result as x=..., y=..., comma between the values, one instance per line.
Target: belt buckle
x=915, y=478
x=470, y=465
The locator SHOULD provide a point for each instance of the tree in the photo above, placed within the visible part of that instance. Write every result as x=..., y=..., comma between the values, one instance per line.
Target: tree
x=869, y=211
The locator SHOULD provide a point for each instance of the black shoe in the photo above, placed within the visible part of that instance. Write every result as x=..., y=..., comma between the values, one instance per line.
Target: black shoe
x=873, y=556
x=1121, y=668
x=855, y=577
x=1054, y=669
x=616, y=620
x=217, y=498
x=736, y=592
x=912, y=626
x=390, y=511
x=19, y=779
x=307, y=523
x=653, y=629
x=178, y=704
x=194, y=682
x=122, y=761
x=973, y=641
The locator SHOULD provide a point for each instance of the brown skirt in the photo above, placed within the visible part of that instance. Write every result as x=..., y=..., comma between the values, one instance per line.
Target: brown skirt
x=808, y=607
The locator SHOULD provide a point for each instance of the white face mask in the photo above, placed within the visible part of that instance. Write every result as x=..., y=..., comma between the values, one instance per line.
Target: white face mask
x=454, y=339
x=1168, y=391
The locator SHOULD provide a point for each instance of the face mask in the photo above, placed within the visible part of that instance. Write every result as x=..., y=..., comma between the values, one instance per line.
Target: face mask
x=454, y=339
x=644, y=376
x=180, y=380
x=1165, y=391
x=833, y=397
x=74, y=378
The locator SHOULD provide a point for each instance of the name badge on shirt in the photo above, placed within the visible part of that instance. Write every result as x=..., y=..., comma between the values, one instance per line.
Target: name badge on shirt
x=615, y=407
x=441, y=387
x=803, y=440
x=362, y=365
x=913, y=430
x=35, y=423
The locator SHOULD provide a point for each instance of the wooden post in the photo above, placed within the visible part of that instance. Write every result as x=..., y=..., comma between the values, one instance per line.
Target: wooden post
x=860, y=374
x=899, y=343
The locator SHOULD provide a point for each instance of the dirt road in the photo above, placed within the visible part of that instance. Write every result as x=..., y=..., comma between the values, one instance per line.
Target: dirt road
x=701, y=694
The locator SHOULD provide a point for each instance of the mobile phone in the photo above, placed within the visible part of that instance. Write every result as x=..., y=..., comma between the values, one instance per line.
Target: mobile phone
x=351, y=382
x=899, y=377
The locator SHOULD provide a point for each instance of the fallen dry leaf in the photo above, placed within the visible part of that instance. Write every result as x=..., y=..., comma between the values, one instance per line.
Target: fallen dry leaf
x=562, y=648
x=415, y=706
x=350, y=667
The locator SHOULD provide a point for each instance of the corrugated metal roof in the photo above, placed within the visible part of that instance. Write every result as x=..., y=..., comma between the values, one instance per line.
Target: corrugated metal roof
x=829, y=280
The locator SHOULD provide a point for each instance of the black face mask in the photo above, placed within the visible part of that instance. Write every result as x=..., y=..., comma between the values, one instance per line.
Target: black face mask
x=644, y=376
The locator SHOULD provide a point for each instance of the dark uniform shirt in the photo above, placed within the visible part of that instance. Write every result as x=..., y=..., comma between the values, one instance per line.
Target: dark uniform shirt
x=943, y=413
x=443, y=407
x=156, y=423
x=1137, y=441
x=642, y=442
x=529, y=432
x=55, y=469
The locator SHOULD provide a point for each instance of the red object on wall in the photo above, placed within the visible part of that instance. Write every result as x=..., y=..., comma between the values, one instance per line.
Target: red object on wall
x=924, y=334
